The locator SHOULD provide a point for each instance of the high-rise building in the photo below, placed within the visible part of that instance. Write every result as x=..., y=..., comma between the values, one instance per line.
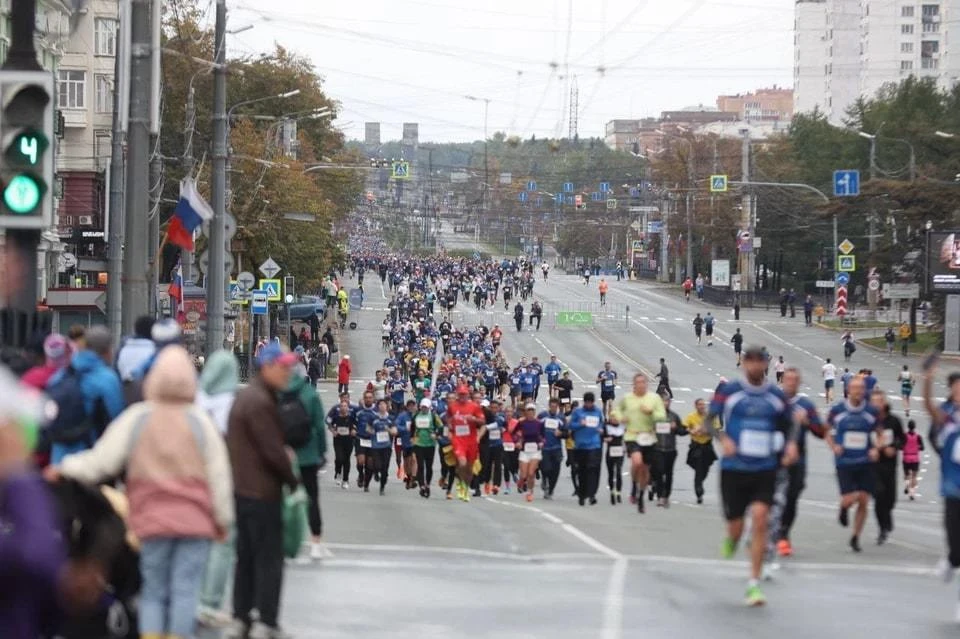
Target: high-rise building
x=844, y=49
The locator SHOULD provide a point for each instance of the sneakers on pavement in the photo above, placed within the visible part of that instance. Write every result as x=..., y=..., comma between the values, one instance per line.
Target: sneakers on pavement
x=263, y=631
x=728, y=548
x=755, y=596
x=945, y=571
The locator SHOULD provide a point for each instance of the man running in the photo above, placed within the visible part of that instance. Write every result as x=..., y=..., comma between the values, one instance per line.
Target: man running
x=756, y=415
x=853, y=422
x=664, y=377
x=586, y=425
x=829, y=379
x=466, y=421
x=607, y=380
x=708, y=323
x=603, y=286
x=737, y=341
x=639, y=412
x=698, y=328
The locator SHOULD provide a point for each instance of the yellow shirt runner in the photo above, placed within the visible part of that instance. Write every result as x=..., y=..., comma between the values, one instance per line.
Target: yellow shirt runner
x=639, y=417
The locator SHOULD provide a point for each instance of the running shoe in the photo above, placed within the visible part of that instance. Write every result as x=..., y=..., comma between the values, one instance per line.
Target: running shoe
x=487, y=489
x=728, y=548
x=784, y=549
x=844, y=517
x=755, y=597
x=855, y=544
x=530, y=496
x=944, y=570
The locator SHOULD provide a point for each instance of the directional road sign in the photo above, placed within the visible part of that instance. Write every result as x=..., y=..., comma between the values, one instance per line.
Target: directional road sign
x=531, y=186
x=846, y=263
x=273, y=289
x=568, y=187
x=400, y=170
x=604, y=187
x=846, y=247
x=246, y=281
x=718, y=183
x=259, y=303
x=846, y=183
x=843, y=279
x=270, y=268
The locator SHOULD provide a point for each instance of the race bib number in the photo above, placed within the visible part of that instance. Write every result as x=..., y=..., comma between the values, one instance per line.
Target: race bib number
x=591, y=421
x=615, y=451
x=646, y=439
x=608, y=383
x=509, y=447
x=565, y=400
x=383, y=436
x=886, y=437
x=531, y=447
x=343, y=430
x=854, y=440
x=778, y=441
x=664, y=428
x=423, y=423
x=754, y=443
x=461, y=431
x=494, y=434
x=366, y=443
x=551, y=423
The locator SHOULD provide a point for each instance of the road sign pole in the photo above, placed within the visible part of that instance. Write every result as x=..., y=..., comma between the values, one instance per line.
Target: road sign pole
x=836, y=256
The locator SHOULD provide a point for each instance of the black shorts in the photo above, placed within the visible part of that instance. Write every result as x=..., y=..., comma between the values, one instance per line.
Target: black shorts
x=407, y=453
x=855, y=479
x=646, y=452
x=911, y=466
x=709, y=330
x=607, y=396
x=740, y=489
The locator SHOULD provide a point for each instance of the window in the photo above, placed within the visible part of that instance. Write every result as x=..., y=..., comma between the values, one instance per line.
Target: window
x=906, y=29
x=105, y=36
x=71, y=90
x=931, y=27
x=906, y=65
x=930, y=10
x=906, y=12
x=104, y=93
x=929, y=47
x=906, y=47
x=930, y=63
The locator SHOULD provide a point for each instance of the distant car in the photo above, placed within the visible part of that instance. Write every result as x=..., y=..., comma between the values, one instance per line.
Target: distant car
x=301, y=311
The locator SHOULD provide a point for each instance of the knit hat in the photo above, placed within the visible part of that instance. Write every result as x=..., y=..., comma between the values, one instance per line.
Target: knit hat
x=56, y=348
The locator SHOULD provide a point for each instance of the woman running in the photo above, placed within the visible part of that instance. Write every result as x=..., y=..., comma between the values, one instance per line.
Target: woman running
x=530, y=437
x=613, y=435
x=906, y=388
x=912, y=447
x=511, y=457
x=382, y=429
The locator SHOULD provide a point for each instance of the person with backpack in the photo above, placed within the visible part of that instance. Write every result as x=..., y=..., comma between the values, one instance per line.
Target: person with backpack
x=218, y=390
x=262, y=466
x=136, y=351
x=179, y=487
x=305, y=431
x=87, y=394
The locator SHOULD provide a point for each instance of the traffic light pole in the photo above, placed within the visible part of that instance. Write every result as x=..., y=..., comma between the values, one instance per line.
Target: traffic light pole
x=23, y=244
x=135, y=293
x=115, y=241
x=216, y=284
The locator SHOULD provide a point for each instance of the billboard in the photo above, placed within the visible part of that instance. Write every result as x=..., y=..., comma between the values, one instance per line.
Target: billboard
x=943, y=257
x=720, y=272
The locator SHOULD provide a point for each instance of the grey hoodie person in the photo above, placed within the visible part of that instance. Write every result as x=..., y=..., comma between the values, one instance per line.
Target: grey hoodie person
x=218, y=387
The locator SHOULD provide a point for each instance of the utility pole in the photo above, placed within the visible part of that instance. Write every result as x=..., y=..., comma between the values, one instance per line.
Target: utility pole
x=216, y=285
x=871, y=230
x=745, y=262
x=135, y=293
x=691, y=182
x=23, y=243
x=186, y=257
x=153, y=247
x=115, y=241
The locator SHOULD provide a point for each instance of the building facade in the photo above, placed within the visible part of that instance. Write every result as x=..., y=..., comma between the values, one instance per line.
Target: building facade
x=85, y=88
x=845, y=49
x=763, y=105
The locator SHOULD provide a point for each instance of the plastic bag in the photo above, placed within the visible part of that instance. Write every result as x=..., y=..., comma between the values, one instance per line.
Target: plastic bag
x=295, y=524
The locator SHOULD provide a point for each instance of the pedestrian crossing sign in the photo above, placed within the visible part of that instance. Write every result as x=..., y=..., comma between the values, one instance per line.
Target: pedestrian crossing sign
x=718, y=183
x=846, y=264
x=273, y=289
x=401, y=170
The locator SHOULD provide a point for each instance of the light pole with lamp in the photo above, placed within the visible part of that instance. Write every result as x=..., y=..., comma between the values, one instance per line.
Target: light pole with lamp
x=873, y=137
x=486, y=165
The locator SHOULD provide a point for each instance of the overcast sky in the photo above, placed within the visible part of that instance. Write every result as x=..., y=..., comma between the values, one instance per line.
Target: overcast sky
x=396, y=61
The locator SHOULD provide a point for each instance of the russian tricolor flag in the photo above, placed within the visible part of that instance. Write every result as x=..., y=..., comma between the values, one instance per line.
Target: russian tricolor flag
x=175, y=290
x=192, y=211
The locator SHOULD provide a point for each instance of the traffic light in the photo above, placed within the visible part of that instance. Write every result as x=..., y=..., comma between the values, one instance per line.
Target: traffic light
x=26, y=167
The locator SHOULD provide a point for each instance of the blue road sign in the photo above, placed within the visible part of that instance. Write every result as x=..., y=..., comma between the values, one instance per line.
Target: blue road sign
x=259, y=303
x=843, y=278
x=272, y=289
x=538, y=202
x=523, y=196
x=568, y=199
x=655, y=226
x=558, y=198
x=604, y=187
x=531, y=186
x=846, y=183
x=568, y=187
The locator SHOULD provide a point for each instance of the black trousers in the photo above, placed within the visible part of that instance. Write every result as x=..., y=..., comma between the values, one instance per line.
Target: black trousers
x=588, y=466
x=663, y=463
x=425, y=456
x=342, y=448
x=951, y=521
x=519, y=321
x=798, y=481
x=615, y=473
x=308, y=476
x=550, y=466
x=885, y=495
x=380, y=465
x=258, y=574
x=492, y=461
x=511, y=464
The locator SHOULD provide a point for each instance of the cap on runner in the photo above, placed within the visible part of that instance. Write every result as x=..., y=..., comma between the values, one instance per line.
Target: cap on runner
x=531, y=407
x=425, y=403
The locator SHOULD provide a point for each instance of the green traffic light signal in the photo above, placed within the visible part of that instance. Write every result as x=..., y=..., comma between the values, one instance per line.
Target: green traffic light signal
x=22, y=194
x=26, y=148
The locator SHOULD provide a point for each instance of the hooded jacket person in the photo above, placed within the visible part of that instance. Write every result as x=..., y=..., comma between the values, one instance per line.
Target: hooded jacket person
x=178, y=484
x=218, y=387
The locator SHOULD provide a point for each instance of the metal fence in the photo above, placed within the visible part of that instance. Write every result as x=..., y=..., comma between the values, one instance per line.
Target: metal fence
x=587, y=315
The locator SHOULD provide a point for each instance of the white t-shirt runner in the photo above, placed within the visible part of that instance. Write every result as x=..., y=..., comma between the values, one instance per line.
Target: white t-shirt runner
x=829, y=372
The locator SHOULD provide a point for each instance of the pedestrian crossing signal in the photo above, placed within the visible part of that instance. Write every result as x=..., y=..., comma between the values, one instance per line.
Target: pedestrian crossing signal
x=26, y=127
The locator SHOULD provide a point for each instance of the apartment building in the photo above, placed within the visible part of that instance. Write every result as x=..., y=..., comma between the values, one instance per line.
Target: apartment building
x=765, y=105
x=85, y=82
x=844, y=49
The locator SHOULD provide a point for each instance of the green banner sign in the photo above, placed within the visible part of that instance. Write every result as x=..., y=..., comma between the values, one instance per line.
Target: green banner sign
x=574, y=318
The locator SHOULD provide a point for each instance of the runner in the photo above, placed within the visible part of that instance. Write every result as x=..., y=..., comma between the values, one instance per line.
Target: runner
x=906, y=388
x=698, y=328
x=466, y=422
x=829, y=372
x=708, y=323
x=700, y=456
x=665, y=454
x=585, y=424
x=363, y=433
x=737, y=341
x=888, y=438
x=426, y=425
x=639, y=412
x=552, y=458
x=912, y=447
x=664, y=376
x=553, y=371
x=755, y=415
x=404, y=443
x=613, y=436
x=603, y=287
x=381, y=429
x=779, y=368
x=342, y=424
x=491, y=473
x=853, y=421
x=607, y=381
x=530, y=436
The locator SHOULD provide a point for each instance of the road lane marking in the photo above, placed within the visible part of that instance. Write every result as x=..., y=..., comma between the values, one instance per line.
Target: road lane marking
x=626, y=358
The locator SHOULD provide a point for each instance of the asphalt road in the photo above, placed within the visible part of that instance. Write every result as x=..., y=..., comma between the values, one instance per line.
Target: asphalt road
x=498, y=566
